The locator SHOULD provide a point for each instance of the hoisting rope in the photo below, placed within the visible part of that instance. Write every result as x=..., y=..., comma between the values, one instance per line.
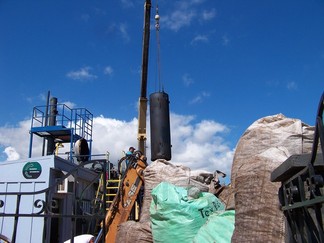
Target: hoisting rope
x=157, y=28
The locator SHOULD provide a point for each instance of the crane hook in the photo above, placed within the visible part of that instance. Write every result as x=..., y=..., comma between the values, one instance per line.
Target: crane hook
x=157, y=19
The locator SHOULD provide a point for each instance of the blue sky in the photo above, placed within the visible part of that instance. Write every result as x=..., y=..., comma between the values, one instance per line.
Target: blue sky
x=224, y=65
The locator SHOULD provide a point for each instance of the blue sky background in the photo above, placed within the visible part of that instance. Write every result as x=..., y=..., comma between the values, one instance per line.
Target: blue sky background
x=224, y=65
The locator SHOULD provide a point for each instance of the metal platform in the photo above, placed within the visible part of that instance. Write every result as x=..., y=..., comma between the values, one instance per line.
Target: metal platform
x=295, y=164
x=64, y=125
x=60, y=133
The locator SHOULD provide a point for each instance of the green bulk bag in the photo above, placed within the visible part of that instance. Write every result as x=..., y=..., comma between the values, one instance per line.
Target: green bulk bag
x=175, y=217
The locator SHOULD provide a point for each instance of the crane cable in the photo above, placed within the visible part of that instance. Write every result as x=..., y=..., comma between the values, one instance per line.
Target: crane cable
x=157, y=28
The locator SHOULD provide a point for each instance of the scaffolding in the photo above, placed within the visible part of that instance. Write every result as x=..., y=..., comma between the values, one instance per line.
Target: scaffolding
x=64, y=125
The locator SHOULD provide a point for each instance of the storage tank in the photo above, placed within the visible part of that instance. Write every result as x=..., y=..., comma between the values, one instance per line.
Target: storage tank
x=160, y=126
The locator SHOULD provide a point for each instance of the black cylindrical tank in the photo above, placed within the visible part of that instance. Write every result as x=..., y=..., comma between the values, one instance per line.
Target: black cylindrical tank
x=160, y=126
x=52, y=122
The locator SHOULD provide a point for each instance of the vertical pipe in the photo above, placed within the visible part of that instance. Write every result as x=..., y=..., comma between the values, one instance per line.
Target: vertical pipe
x=46, y=119
x=30, y=145
x=52, y=122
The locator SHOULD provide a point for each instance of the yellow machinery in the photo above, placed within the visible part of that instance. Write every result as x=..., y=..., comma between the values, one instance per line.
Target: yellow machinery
x=129, y=188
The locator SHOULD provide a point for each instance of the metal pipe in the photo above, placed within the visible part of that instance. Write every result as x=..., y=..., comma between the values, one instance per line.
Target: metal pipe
x=46, y=119
x=52, y=122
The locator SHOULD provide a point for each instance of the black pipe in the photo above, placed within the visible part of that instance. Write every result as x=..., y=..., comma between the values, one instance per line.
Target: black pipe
x=46, y=118
x=52, y=122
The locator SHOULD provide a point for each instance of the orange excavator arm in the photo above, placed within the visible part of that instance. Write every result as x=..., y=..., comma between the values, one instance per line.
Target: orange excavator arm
x=123, y=202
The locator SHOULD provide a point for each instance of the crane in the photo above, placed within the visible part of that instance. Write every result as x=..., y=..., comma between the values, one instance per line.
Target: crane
x=142, y=109
x=133, y=178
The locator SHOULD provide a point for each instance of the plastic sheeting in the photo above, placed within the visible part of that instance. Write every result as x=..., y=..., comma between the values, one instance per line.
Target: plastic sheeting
x=219, y=228
x=176, y=217
x=154, y=174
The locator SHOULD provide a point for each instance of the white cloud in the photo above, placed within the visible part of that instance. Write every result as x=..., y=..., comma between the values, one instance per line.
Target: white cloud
x=291, y=85
x=82, y=74
x=123, y=31
x=199, y=98
x=178, y=19
x=187, y=79
x=32, y=99
x=108, y=70
x=69, y=104
x=197, y=144
x=184, y=13
x=127, y=3
x=120, y=30
x=188, y=3
x=43, y=97
x=85, y=17
x=11, y=153
x=113, y=136
x=199, y=38
x=99, y=11
x=225, y=40
x=18, y=138
x=208, y=14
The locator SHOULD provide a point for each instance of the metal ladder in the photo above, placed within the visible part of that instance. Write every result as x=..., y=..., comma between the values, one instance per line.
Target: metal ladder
x=112, y=189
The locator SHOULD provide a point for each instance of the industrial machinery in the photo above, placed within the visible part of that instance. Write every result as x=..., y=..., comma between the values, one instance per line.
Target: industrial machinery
x=143, y=92
x=133, y=180
x=68, y=197
x=52, y=199
x=159, y=101
x=127, y=194
x=49, y=198
x=301, y=194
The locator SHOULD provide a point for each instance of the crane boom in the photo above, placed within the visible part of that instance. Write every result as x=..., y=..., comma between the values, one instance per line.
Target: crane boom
x=141, y=135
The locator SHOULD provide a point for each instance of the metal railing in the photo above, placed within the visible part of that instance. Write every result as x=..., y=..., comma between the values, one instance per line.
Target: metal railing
x=79, y=119
x=301, y=194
